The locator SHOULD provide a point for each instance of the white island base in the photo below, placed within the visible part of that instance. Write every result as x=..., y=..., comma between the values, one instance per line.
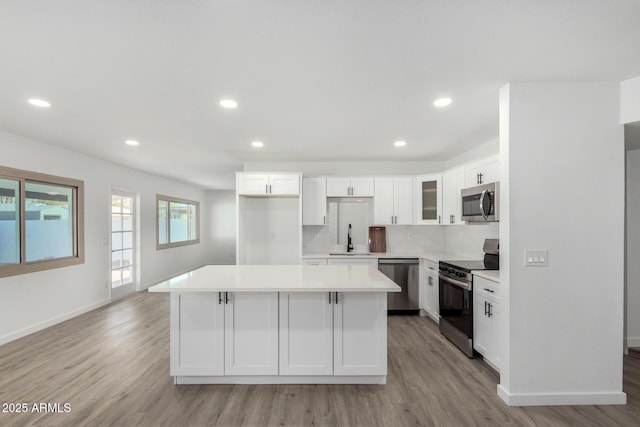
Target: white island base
x=242, y=335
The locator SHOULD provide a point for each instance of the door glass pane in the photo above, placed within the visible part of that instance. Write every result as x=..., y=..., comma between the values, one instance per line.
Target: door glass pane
x=127, y=203
x=127, y=275
x=127, y=223
x=429, y=200
x=116, y=241
x=127, y=240
x=116, y=222
x=127, y=257
x=9, y=222
x=116, y=259
x=116, y=278
x=116, y=204
x=49, y=221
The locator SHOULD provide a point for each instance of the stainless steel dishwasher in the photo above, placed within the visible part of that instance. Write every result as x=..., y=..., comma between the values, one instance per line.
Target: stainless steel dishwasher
x=405, y=273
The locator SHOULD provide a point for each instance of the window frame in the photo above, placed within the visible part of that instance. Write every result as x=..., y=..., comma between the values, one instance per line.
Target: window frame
x=77, y=187
x=169, y=200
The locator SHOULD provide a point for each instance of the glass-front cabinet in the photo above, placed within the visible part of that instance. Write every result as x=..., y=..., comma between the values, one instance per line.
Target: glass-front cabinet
x=429, y=199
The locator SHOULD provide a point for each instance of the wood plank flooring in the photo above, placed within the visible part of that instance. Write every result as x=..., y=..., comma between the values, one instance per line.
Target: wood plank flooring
x=112, y=366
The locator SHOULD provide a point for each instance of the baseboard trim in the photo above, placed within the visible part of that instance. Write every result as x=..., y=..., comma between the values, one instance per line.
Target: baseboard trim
x=633, y=342
x=557, y=399
x=280, y=379
x=53, y=321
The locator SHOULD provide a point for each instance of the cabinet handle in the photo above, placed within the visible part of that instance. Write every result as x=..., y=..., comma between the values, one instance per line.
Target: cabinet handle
x=270, y=192
x=226, y=298
x=330, y=299
x=324, y=219
x=219, y=297
x=430, y=281
x=266, y=189
x=439, y=219
x=490, y=307
x=485, y=308
x=488, y=290
x=336, y=298
x=481, y=175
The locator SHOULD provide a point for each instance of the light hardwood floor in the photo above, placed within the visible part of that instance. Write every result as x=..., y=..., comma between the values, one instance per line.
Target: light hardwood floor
x=112, y=366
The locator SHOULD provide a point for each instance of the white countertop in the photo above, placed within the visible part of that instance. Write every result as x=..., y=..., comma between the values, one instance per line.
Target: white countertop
x=431, y=256
x=280, y=278
x=493, y=275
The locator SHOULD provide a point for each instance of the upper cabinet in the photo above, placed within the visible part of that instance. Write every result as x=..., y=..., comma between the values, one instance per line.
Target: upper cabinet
x=346, y=187
x=394, y=200
x=314, y=201
x=429, y=199
x=482, y=171
x=265, y=184
x=453, y=181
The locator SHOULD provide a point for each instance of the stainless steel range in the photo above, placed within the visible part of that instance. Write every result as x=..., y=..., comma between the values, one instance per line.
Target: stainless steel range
x=456, y=296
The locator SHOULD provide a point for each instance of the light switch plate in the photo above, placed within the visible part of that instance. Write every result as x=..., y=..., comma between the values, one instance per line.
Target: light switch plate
x=536, y=257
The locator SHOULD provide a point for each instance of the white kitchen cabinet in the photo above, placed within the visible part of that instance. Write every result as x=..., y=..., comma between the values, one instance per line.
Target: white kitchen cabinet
x=313, y=261
x=350, y=187
x=486, y=315
x=314, y=201
x=306, y=333
x=429, y=199
x=333, y=333
x=432, y=292
x=360, y=337
x=197, y=335
x=352, y=261
x=393, y=201
x=453, y=181
x=482, y=171
x=251, y=333
x=268, y=184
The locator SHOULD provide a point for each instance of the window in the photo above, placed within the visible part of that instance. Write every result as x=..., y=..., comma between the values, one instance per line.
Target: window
x=41, y=222
x=178, y=222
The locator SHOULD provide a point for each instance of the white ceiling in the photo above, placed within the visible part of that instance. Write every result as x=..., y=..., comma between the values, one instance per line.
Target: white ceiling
x=316, y=80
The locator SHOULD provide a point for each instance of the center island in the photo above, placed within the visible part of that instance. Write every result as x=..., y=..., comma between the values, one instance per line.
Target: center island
x=279, y=324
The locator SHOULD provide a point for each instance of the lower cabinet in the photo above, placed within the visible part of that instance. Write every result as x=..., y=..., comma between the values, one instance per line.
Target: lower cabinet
x=286, y=334
x=224, y=334
x=486, y=315
x=431, y=294
x=339, y=334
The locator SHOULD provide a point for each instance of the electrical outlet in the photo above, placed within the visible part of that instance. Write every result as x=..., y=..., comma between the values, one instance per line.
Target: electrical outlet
x=409, y=235
x=536, y=257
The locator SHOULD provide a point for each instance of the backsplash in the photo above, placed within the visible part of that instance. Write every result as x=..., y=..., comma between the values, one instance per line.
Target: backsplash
x=459, y=239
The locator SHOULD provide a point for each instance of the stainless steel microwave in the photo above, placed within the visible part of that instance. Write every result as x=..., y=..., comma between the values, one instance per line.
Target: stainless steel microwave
x=481, y=203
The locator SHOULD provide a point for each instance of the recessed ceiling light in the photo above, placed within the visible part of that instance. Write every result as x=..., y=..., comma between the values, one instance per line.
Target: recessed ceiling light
x=229, y=103
x=39, y=103
x=400, y=143
x=132, y=143
x=442, y=102
x=257, y=144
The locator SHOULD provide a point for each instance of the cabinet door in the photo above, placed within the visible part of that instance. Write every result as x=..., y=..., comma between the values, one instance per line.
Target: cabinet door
x=492, y=169
x=338, y=187
x=197, y=335
x=253, y=184
x=433, y=296
x=284, y=185
x=403, y=200
x=314, y=201
x=496, y=360
x=360, y=334
x=251, y=334
x=429, y=195
x=481, y=325
x=453, y=182
x=362, y=187
x=306, y=334
x=383, y=201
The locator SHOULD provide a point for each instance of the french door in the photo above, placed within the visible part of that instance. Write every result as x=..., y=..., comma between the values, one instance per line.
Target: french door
x=123, y=244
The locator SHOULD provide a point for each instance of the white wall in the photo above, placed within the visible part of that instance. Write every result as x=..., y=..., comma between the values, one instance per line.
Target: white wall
x=633, y=249
x=630, y=101
x=348, y=168
x=562, y=325
x=33, y=301
x=220, y=217
x=482, y=151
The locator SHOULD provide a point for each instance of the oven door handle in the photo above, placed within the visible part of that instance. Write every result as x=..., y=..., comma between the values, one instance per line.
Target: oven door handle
x=455, y=282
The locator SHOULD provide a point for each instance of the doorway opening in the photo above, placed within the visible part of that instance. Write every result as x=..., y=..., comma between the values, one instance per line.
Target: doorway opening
x=123, y=244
